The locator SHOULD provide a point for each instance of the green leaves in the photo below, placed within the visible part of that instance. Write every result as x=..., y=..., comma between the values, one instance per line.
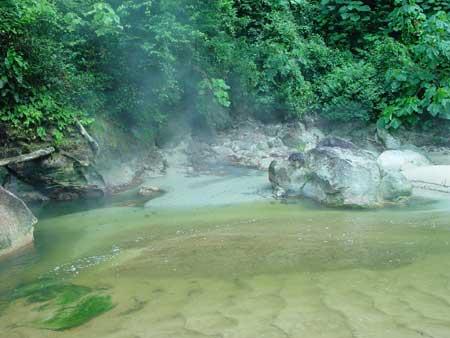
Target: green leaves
x=105, y=21
x=41, y=114
x=407, y=19
x=146, y=62
x=438, y=100
x=33, y=71
x=422, y=86
x=345, y=22
x=433, y=6
x=350, y=92
x=12, y=73
x=221, y=92
x=402, y=110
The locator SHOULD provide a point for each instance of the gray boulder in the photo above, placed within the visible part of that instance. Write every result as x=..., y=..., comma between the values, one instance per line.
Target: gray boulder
x=395, y=186
x=386, y=138
x=61, y=177
x=297, y=136
x=336, y=142
x=338, y=173
x=24, y=191
x=287, y=178
x=344, y=177
x=16, y=223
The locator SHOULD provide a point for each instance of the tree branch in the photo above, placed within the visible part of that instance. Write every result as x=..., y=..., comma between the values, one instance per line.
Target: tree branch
x=92, y=142
x=27, y=157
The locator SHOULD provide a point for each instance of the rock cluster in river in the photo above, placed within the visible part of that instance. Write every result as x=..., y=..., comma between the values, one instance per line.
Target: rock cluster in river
x=252, y=144
x=338, y=173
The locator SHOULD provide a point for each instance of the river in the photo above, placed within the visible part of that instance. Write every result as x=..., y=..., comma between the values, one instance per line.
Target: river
x=217, y=257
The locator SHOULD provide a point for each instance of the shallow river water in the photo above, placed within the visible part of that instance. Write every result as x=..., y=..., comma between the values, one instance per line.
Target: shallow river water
x=237, y=270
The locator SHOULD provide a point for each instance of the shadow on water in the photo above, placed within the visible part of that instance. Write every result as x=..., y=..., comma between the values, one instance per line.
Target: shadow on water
x=129, y=198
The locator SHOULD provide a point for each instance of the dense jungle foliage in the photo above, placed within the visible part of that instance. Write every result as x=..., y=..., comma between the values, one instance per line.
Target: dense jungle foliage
x=144, y=62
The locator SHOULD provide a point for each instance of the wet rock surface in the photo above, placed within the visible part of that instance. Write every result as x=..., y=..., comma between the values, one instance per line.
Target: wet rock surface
x=76, y=170
x=254, y=145
x=338, y=173
x=16, y=223
x=398, y=160
x=66, y=174
x=356, y=171
x=395, y=185
x=149, y=191
x=24, y=191
x=123, y=172
x=386, y=138
x=61, y=177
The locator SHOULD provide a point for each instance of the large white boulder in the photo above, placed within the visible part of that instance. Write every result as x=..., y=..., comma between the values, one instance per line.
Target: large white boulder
x=400, y=160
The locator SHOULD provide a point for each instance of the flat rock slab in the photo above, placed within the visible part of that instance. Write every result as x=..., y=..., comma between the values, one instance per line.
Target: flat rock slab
x=439, y=157
x=433, y=177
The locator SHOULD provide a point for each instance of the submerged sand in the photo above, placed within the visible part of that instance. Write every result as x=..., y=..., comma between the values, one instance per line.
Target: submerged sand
x=252, y=270
x=242, y=270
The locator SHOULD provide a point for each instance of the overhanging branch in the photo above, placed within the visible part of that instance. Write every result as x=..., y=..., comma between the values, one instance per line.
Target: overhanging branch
x=27, y=157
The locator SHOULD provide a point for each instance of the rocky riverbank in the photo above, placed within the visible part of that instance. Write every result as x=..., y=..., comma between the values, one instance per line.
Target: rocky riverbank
x=361, y=166
x=78, y=170
x=349, y=166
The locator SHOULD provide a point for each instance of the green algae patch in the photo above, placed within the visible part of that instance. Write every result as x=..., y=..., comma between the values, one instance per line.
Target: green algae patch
x=35, y=292
x=50, y=290
x=63, y=305
x=72, y=316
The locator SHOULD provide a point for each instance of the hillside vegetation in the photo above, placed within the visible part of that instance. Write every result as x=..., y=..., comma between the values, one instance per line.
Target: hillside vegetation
x=142, y=63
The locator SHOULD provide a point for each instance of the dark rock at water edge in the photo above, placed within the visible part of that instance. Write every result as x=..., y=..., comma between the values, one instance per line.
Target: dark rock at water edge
x=62, y=175
x=65, y=173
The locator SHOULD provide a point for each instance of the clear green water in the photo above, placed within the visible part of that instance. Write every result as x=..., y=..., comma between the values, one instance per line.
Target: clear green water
x=250, y=270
